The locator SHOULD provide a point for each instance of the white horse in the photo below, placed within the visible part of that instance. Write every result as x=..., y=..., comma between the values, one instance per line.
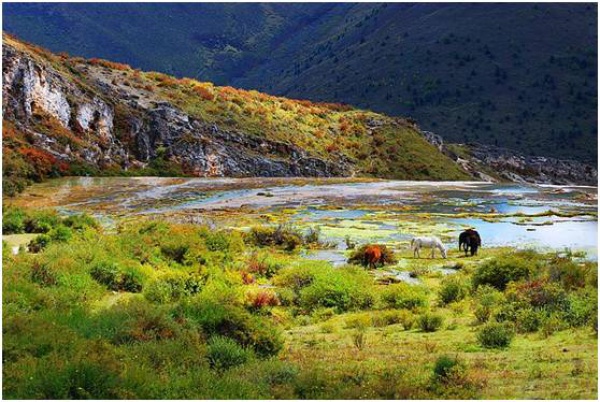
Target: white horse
x=417, y=242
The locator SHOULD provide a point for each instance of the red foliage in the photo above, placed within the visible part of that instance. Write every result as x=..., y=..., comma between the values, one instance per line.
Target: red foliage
x=332, y=148
x=109, y=64
x=263, y=298
x=43, y=163
x=247, y=278
x=204, y=92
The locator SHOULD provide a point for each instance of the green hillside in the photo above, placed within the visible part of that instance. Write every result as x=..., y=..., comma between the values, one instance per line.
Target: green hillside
x=491, y=73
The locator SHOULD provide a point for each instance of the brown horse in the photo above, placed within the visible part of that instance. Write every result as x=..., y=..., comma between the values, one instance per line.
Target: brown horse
x=469, y=239
x=372, y=256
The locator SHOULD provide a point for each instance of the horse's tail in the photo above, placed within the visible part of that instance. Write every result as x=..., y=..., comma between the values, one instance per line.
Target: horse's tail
x=412, y=243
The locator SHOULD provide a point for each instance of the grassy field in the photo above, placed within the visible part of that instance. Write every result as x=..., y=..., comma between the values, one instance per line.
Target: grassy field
x=164, y=311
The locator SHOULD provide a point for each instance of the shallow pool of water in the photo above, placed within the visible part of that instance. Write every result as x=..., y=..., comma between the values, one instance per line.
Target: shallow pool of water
x=382, y=211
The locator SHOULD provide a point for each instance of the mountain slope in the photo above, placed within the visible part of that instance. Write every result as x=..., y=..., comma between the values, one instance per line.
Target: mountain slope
x=70, y=115
x=490, y=73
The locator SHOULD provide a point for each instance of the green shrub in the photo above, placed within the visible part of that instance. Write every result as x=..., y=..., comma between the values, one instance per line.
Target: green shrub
x=60, y=234
x=42, y=274
x=403, y=295
x=217, y=241
x=283, y=236
x=487, y=298
x=553, y=323
x=568, y=273
x=430, y=322
x=142, y=322
x=236, y=323
x=496, y=335
x=528, y=320
x=452, y=289
x=263, y=265
x=172, y=286
x=344, y=289
x=499, y=272
x=39, y=243
x=42, y=221
x=81, y=221
x=582, y=307
x=114, y=277
x=295, y=278
x=407, y=319
x=175, y=252
x=13, y=220
x=539, y=294
x=388, y=317
x=446, y=368
x=224, y=353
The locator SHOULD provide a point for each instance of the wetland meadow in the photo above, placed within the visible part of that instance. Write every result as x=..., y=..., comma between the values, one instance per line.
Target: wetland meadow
x=189, y=288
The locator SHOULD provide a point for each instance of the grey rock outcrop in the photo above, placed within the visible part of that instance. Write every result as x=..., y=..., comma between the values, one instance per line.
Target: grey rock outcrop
x=32, y=86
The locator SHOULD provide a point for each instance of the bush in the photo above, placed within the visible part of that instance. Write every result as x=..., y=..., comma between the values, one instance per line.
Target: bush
x=217, y=241
x=81, y=221
x=487, y=299
x=388, y=317
x=496, y=335
x=223, y=353
x=39, y=243
x=175, y=252
x=257, y=300
x=238, y=324
x=407, y=319
x=568, y=273
x=498, y=273
x=42, y=275
x=553, y=323
x=13, y=220
x=406, y=296
x=42, y=222
x=343, y=289
x=538, y=294
x=60, y=234
x=143, y=323
x=263, y=266
x=172, y=286
x=528, y=320
x=447, y=367
x=283, y=236
x=430, y=322
x=453, y=289
x=111, y=275
x=582, y=308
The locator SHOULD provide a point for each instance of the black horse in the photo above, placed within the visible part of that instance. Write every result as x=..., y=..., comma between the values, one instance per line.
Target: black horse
x=469, y=239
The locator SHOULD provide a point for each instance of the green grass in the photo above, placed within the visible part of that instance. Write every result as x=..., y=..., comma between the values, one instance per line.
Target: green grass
x=316, y=332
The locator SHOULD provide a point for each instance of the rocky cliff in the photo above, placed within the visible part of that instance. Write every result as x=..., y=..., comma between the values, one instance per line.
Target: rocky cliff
x=66, y=115
x=491, y=163
x=34, y=91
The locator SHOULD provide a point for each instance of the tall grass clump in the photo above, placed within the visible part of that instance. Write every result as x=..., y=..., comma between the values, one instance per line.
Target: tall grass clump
x=500, y=271
x=453, y=289
x=405, y=296
x=496, y=335
x=430, y=322
x=224, y=353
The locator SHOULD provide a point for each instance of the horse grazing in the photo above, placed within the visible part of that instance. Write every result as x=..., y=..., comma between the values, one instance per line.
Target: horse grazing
x=469, y=239
x=417, y=242
x=373, y=255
